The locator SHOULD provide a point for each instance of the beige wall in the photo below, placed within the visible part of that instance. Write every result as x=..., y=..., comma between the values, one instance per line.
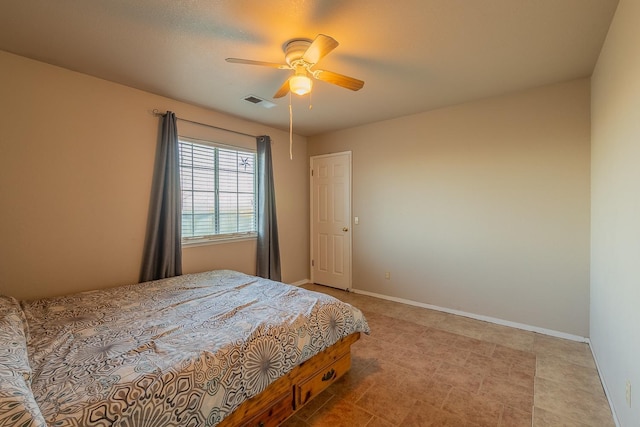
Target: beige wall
x=615, y=207
x=481, y=207
x=76, y=158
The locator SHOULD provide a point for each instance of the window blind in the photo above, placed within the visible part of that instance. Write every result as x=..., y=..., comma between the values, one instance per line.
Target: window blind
x=218, y=190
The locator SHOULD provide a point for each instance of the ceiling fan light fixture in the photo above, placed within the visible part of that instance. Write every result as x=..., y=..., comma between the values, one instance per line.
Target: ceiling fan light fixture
x=301, y=56
x=300, y=84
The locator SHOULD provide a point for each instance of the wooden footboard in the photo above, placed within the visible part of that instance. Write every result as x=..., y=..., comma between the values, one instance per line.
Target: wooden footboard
x=289, y=393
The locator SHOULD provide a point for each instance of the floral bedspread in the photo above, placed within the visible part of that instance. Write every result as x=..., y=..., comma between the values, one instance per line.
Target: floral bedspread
x=184, y=351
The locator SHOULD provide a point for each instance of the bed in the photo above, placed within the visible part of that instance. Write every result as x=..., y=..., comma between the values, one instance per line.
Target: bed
x=216, y=348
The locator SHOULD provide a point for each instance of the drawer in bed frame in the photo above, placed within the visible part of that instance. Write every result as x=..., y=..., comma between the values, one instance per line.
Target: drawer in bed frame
x=315, y=384
x=291, y=392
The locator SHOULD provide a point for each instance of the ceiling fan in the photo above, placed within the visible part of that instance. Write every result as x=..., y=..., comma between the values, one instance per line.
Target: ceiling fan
x=301, y=55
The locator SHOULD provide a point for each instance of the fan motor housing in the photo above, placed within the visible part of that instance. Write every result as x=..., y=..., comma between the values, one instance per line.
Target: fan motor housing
x=294, y=49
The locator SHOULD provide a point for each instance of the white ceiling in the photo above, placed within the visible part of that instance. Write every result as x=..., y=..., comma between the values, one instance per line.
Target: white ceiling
x=414, y=55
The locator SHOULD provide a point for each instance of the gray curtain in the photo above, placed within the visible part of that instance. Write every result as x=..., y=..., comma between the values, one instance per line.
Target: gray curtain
x=163, y=249
x=268, y=261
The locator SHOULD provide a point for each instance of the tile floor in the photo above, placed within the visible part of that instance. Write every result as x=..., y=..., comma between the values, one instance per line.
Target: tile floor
x=421, y=367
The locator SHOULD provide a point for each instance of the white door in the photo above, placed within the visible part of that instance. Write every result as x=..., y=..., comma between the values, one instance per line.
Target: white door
x=331, y=220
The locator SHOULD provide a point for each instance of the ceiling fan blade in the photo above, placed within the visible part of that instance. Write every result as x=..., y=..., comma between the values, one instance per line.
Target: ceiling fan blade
x=284, y=89
x=262, y=63
x=319, y=48
x=338, y=79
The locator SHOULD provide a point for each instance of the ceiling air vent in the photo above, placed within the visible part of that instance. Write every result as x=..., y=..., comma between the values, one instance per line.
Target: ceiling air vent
x=259, y=101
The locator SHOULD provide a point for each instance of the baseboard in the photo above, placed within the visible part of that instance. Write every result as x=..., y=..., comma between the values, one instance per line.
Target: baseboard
x=604, y=385
x=300, y=282
x=502, y=322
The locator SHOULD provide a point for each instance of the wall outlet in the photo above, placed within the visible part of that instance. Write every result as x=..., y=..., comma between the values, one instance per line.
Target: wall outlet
x=628, y=393
x=387, y=275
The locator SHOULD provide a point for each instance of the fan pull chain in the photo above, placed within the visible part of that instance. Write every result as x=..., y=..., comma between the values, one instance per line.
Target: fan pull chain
x=310, y=103
x=290, y=129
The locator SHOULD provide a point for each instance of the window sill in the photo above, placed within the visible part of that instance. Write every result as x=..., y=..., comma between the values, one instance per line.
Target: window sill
x=217, y=240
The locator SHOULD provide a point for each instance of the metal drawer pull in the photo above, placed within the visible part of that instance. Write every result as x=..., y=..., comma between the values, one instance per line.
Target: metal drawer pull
x=329, y=375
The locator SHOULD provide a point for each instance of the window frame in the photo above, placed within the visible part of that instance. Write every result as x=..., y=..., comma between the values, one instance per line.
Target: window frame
x=223, y=237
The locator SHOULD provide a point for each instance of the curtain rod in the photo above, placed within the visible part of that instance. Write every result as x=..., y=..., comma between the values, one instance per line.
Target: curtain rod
x=158, y=113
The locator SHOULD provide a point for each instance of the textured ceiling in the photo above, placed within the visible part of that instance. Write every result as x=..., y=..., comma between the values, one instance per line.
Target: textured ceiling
x=414, y=55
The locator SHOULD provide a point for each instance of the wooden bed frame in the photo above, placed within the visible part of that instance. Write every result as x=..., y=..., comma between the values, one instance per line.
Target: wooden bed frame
x=291, y=392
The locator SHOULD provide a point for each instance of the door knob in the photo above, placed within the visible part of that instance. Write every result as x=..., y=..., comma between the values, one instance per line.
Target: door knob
x=345, y=229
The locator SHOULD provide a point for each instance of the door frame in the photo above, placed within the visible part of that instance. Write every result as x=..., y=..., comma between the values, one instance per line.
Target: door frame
x=350, y=221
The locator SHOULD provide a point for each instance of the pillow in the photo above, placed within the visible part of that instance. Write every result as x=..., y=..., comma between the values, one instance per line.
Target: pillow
x=18, y=407
x=13, y=338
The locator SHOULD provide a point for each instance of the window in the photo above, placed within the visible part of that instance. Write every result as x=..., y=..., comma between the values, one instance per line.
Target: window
x=218, y=191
